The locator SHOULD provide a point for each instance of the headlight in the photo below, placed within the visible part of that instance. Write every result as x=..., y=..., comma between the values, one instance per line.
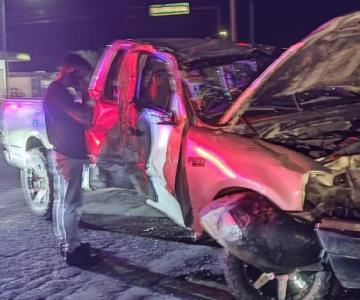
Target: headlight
x=342, y=179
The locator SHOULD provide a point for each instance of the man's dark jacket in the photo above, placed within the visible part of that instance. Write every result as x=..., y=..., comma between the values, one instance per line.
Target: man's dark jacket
x=66, y=121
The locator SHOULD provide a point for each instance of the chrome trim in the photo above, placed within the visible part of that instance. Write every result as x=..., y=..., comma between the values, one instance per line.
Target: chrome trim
x=341, y=225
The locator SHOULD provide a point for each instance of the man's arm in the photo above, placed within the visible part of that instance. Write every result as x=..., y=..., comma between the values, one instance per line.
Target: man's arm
x=80, y=112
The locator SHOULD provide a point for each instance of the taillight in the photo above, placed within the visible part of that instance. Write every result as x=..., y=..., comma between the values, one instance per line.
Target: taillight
x=11, y=106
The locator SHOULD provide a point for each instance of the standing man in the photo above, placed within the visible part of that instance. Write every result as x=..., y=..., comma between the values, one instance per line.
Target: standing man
x=68, y=114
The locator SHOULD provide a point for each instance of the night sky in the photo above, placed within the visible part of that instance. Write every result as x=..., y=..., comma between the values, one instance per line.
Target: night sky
x=48, y=28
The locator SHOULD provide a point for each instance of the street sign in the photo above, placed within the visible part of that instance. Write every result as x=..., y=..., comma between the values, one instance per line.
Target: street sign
x=158, y=10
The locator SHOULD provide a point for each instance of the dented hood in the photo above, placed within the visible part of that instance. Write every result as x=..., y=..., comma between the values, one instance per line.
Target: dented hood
x=329, y=56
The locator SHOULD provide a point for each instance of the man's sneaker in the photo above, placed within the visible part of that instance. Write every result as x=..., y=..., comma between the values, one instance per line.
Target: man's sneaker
x=82, y=256
x=84, y=247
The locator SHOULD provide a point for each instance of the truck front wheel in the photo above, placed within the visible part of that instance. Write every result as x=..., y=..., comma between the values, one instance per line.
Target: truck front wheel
x=300, y=286
x=36, y=183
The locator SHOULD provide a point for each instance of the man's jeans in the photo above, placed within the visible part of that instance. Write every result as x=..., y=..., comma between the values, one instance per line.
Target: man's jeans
x=67, y=177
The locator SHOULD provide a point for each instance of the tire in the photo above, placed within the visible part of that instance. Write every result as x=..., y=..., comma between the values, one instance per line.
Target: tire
x=239, y=279
x=36, y=182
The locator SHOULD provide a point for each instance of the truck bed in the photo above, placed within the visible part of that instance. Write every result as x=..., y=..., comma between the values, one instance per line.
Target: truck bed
x=22, y=121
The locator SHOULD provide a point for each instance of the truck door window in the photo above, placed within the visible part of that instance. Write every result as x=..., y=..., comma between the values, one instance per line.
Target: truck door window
x=111, y=91
x=154, y=86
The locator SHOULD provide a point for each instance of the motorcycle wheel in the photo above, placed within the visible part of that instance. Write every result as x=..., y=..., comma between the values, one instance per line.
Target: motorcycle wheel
x=36, y=183
x=301, y=285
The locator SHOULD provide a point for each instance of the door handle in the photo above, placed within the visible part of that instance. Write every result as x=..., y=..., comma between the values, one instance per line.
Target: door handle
x=172, y=123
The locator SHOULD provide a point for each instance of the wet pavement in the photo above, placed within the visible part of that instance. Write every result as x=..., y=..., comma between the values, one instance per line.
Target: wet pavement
x=144, y=255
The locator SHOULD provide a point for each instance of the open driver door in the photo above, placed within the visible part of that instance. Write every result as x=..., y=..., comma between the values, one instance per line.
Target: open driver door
x=104, y=91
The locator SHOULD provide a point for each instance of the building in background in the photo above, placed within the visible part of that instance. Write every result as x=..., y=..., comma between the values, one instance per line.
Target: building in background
x=28, y=84
x=4, y=72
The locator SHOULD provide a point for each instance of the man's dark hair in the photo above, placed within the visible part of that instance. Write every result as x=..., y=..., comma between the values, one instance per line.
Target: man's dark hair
x=75, y=60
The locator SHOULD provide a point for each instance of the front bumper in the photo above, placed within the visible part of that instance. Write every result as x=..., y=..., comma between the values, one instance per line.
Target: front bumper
x=343, y=251
x=14, y=156
x=3, y=148
x=6, y=153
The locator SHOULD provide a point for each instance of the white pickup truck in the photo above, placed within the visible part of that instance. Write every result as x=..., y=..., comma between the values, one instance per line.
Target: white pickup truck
x=25, y=143
x=20, y=114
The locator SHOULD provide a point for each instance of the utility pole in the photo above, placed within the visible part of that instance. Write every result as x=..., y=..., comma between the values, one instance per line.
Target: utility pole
x=252, y=22
x=3, y=41
x=233, y=19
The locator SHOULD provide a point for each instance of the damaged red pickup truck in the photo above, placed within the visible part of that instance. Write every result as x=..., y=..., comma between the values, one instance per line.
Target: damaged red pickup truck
x=264, y=159
x=270, y=167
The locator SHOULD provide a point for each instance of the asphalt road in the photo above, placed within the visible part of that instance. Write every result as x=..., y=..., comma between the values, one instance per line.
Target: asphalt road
x=144, y=256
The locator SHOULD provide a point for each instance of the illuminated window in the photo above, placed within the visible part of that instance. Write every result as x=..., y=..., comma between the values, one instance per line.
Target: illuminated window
x=154, y=88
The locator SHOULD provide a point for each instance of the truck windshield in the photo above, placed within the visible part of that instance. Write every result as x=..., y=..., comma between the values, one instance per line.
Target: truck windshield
x=214, y=86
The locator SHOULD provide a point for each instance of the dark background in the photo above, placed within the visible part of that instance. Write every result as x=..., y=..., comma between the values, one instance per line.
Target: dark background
x=48, y=28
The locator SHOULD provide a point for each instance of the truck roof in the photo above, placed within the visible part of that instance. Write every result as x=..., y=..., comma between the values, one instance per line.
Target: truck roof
x=189, y=49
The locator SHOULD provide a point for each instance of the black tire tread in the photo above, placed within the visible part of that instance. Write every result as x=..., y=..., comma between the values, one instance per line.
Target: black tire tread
x=240, y=289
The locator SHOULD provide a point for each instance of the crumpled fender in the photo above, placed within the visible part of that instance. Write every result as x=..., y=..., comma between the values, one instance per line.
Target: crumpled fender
x=257, y=232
